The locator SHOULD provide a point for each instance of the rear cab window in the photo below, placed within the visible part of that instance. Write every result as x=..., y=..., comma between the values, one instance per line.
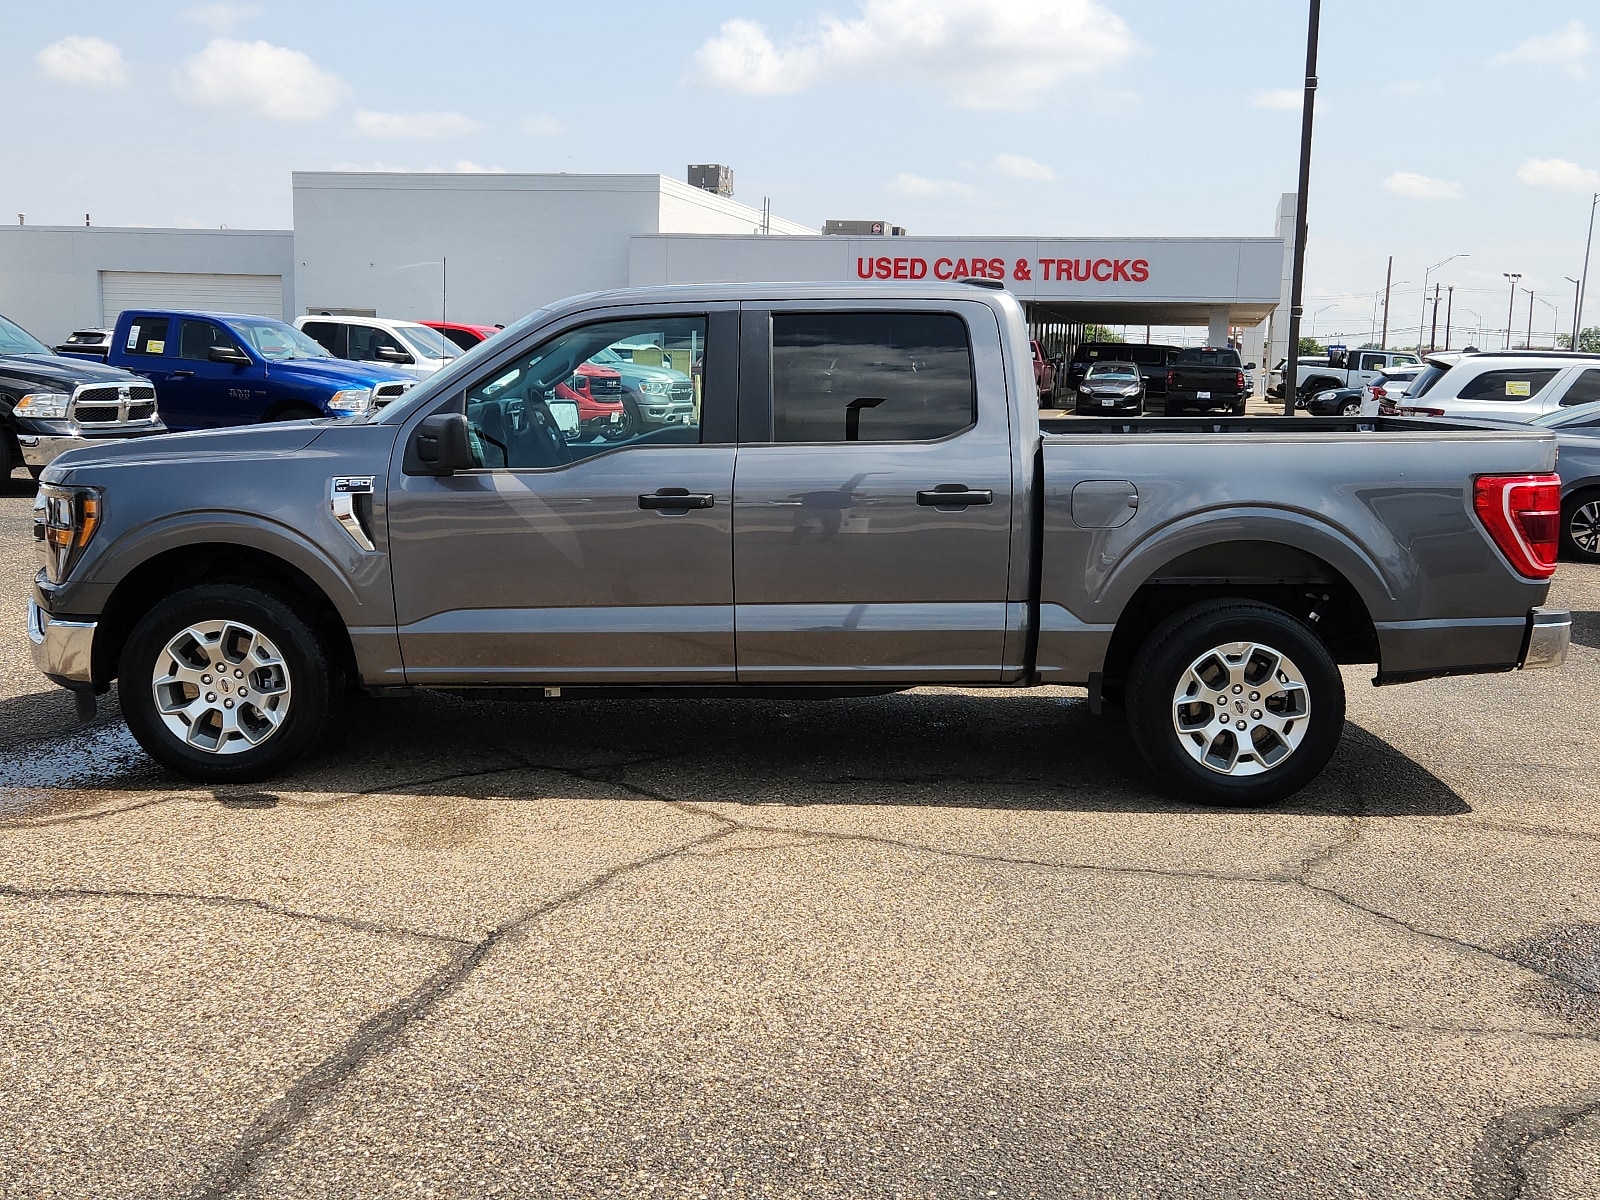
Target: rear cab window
x=1510, y=384
x=148, y=335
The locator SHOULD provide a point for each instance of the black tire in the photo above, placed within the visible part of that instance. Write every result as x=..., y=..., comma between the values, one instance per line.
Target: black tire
x=302, y=663
x=1580, y=523
x=1176, y=652
x=9, y=457
x=1350, y=408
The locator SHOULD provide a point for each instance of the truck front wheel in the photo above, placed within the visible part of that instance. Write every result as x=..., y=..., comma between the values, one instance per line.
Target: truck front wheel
x=1234, y=702
x=225, y=683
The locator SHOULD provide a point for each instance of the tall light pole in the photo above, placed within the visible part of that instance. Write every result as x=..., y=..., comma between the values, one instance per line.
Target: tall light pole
x=1583, y=288
x=1388, y=282
x=1528, y=345
x=1449, y=311
x=1477, y=322
x=1577, y=296
x=1513, y=276
x=1555, y=320
x=1291, y=366
x=1425, y=275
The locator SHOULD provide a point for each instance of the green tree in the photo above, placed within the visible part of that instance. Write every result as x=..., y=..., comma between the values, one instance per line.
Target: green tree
x=1588, y=340
x=1099, y=333
x=1311, y=348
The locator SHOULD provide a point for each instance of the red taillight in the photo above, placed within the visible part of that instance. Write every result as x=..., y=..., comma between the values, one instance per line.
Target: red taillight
x=1171, y=376
x=1421, y=412
x=1378, y=392
x=1239, y=381
x=1523, y=515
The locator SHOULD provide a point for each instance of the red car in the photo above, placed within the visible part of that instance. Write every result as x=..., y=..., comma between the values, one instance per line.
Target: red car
x=463, y=335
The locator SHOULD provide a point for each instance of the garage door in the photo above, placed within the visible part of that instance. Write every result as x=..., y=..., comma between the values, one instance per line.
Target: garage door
x=258, y=294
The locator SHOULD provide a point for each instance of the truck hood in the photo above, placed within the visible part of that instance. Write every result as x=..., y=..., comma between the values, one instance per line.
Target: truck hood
x=337, y=372
x=58, y=371
x=279, y=439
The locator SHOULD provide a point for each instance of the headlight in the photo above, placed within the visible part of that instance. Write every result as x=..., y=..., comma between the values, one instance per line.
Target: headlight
x=655, y=387
x=350, y=401
x=1324, y=395
x=64, y=521
x=1083, y=389
x=43, y=405
x=1131, y=391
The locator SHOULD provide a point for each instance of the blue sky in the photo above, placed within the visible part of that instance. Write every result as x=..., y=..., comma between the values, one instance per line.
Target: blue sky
x=1443, y=129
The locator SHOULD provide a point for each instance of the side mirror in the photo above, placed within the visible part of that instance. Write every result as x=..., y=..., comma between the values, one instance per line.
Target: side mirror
x=229, y=354
x=441, y=445
x=1249, y=366
x=390, y=354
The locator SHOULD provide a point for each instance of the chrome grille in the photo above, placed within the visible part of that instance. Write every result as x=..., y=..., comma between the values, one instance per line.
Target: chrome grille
x=388, y=393
x=98, y=395
x=110, y=404
x=605, y=385
x=142, y=410
x=95, y=414
x=683, y=393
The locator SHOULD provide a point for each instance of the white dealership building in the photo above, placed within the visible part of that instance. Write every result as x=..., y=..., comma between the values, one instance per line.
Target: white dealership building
x=489, y=248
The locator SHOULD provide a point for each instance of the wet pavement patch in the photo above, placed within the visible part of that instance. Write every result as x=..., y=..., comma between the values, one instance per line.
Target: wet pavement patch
x=246, y=799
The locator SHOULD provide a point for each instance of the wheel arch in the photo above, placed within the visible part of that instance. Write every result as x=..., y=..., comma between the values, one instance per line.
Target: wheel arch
x=188, y=565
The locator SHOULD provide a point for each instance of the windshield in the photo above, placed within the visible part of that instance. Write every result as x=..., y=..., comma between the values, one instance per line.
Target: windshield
x=1119, y=371
x=16, y=340
x=427, y=343
x=275, y=341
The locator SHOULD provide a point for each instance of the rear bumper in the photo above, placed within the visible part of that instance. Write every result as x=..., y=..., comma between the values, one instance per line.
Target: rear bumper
x=62, y=650
x=1549, y=635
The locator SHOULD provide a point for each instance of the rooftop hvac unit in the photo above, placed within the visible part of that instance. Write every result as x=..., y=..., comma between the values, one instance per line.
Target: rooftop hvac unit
x=712, y=177
x=863, y=229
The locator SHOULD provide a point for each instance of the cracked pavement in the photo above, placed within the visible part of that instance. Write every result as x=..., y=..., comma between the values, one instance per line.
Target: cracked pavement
x=940, y=944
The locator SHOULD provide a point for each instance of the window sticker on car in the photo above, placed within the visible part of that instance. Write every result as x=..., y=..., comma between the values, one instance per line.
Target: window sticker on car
x=155, y=347
x=1518, y=387
x=133, y=336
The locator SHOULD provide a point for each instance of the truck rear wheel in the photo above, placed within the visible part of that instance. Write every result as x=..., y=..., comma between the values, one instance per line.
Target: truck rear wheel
x=225, y=683
x=1234, y=702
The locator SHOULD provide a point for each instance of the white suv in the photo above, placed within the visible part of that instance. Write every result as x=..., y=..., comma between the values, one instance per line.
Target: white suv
x=415, y=349
x=1511, y=385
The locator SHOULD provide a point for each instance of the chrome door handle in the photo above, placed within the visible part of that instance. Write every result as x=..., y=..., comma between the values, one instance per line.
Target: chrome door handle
x=182, y=374
x=954, y=495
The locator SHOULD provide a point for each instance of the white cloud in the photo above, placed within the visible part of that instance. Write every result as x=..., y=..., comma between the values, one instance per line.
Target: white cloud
x=918, y=185
x=1559, y=173
x=415, y=125
x=1019, y=166
x=222, y=19
x=980, y=54
x=542, y=126
x=1422, y=187
x=1282, y=98
x=91, y=61
x=468, y=167
x=266, y=79
x=1567, y=47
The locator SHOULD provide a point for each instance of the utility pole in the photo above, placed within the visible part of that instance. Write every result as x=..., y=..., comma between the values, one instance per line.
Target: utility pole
x=1583, y=287
x=1528, y=345
x=1449, y=309
x=1388, y=282
x=1433, y=334
x=1291, y=366
x=1513, y=276
x=1576, y=297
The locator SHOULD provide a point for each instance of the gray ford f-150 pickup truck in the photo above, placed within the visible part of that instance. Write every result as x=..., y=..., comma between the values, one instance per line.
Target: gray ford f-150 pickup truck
x=864, y=502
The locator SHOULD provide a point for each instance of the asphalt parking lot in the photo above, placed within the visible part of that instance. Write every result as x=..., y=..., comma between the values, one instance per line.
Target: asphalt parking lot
x=939, y=944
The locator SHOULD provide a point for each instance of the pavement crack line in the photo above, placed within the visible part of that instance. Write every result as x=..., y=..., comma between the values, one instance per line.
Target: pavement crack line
x=1502, y=1172
x=1425, y=1027
x=383, y=1030
x=354, y=924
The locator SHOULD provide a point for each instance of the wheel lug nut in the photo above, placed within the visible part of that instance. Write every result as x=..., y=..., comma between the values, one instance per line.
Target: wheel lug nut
x=1255, y=696
x=1255, y=714
x=211, y=697
x=238, y=674
x=229, y=704
x=1237, y=689
x=205, y=679
x=1241, y=723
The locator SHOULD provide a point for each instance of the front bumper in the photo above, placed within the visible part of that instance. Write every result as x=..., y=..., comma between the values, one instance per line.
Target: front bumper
x=41, y=446
x=62, y=650
x=1549, y=635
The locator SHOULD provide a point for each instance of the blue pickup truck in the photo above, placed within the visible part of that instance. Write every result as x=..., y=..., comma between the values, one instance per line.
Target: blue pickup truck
x=213, y=369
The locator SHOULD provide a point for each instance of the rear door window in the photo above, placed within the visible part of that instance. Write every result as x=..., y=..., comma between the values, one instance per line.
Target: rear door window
x=1509, y=384
x=1585, y=388
x=195, y=339
x=871, y=377
x=327, y=334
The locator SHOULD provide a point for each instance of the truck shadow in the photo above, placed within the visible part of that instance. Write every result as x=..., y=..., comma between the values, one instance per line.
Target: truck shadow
x=926, y=749
x=1586, y=629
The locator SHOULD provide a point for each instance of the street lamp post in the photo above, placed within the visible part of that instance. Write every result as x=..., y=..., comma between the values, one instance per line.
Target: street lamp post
x=1528, y=345
x=1577, y=297
x=1513, y=276
x=1555, y=320
x=1449, y=311
x=1425, y=275
x=1477, y=322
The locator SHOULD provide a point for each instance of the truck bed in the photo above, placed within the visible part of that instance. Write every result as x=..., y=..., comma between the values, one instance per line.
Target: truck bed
x=1276, y=426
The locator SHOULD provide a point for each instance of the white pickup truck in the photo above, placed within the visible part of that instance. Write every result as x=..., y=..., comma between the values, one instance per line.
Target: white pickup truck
x=1341, y=368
